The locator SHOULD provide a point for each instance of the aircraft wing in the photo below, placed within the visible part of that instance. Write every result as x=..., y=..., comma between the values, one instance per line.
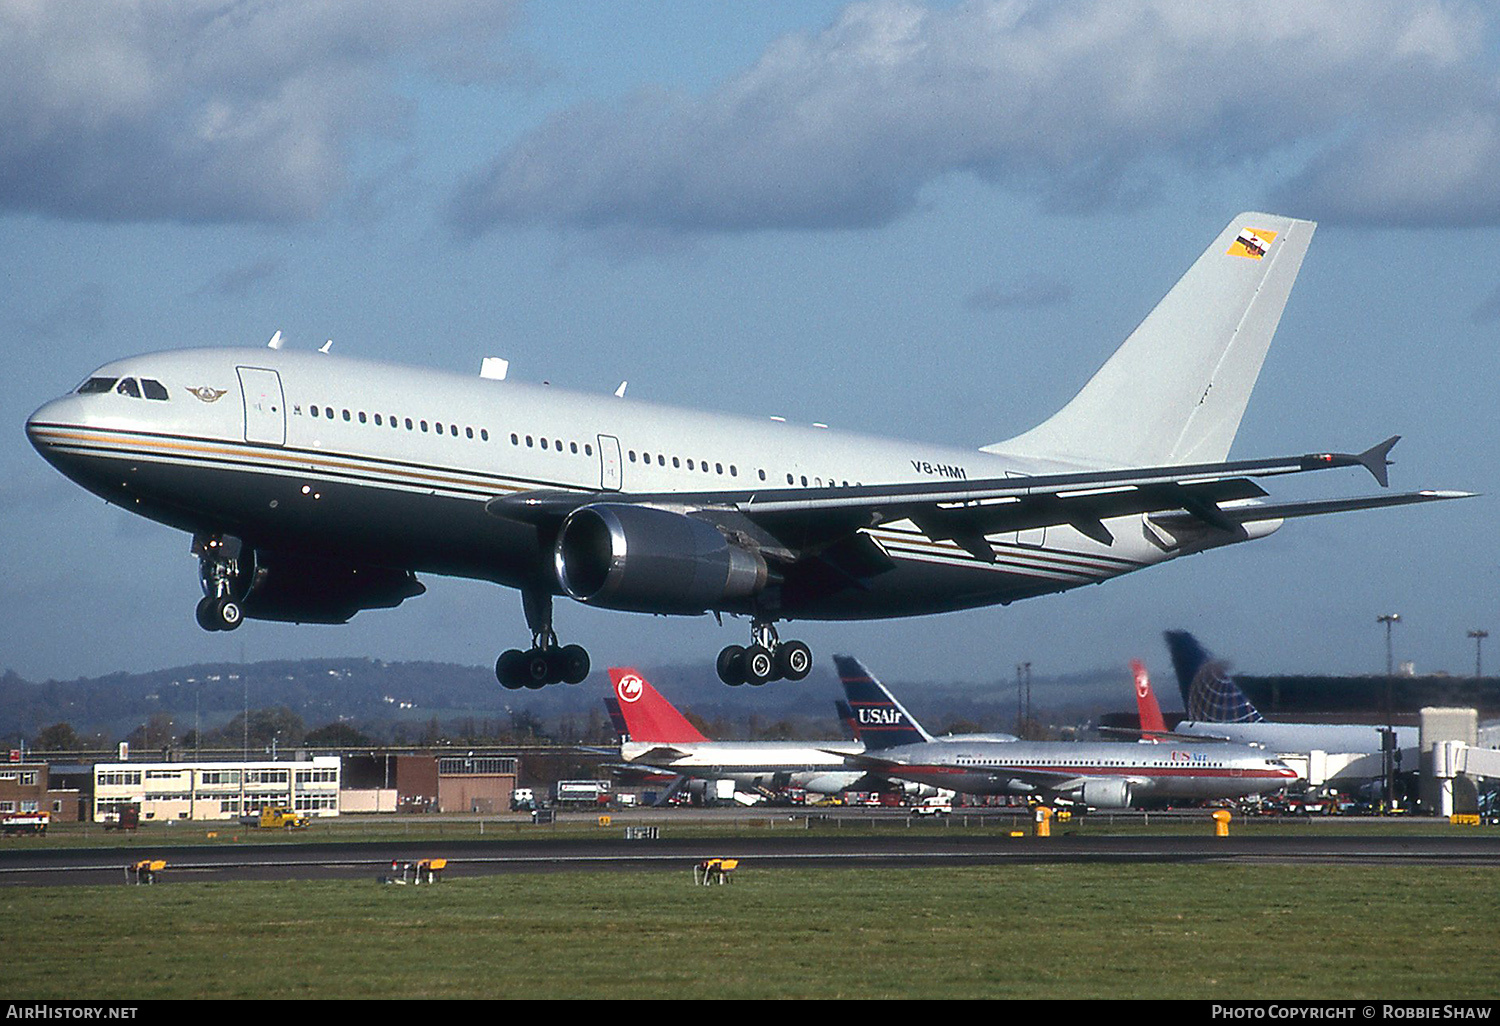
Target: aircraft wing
x=659, y=755
x=789, y=524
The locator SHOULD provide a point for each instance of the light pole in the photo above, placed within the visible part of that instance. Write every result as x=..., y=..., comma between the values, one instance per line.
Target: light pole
x=1479, y=636
x=1388, y=619
x=1387, y=746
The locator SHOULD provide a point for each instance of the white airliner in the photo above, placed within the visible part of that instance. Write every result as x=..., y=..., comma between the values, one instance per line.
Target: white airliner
x=315, y=486
x=1107, y=774
x=657, y=735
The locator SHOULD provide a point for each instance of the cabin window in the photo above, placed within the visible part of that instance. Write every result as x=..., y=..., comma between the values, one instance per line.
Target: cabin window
x=423, y=425
x=588, y=450
x=544, y=445
x=468, y=432
x=529, y=442
x=346, y=415
x=153, y=389
x=676, y=462
x=718, y=468
x=690, y=464
x=789, y=479
x=378, y=422
x=762, y=474
x=733, y=471
x=313, y=410
x=408, y=423
x=484, y=434
x=573, y=448
x=127, y=386
x=632, y=455
x=93, y=386
x=361, y=416
x=328, y=412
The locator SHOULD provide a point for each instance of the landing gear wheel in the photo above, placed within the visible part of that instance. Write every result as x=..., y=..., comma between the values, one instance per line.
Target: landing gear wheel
x=536, y=669
x=204, y=614
x=760, y=665
x=228, y=614
x=793, y=660
x=731, y=665
x=574, y=664
x=508, y=669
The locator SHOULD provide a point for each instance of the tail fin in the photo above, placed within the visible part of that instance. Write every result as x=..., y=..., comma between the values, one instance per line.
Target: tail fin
x=879, y=720
x=1175, y=391
x=1145, y=701
x=647, y=715
x=846, y=719
x=1209, y=694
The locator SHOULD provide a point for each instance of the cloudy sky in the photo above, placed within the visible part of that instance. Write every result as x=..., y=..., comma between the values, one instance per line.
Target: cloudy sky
x=928, y=220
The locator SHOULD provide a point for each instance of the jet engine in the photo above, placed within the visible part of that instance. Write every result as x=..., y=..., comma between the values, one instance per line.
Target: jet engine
x=652, y=561
x=1107, y=794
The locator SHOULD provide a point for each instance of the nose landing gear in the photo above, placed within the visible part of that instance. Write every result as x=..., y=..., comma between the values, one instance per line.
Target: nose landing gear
x=224, y=574
x=766, y=659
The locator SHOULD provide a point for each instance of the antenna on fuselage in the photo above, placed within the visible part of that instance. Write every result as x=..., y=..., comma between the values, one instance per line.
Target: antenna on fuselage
x=326, y=346
x=620, y=392
x=275, y=342
x=494, y=368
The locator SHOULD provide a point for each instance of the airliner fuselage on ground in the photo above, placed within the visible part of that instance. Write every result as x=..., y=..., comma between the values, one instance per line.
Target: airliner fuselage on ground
x=315, y=486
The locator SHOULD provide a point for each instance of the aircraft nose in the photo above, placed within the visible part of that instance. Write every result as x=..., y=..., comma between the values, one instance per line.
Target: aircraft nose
x=43, y=425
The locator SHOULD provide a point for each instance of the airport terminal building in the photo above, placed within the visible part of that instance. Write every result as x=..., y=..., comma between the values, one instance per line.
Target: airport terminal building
x=215, y=790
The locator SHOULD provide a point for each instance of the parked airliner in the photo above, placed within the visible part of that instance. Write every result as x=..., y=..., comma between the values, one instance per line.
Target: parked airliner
x=658, y=736
x=315, y=486
x=1106, y=774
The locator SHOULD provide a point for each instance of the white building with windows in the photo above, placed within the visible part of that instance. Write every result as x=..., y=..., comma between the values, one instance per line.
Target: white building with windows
x=215, y=790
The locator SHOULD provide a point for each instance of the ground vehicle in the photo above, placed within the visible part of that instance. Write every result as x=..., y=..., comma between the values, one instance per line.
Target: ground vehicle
x=128, y=817
x=277, y=817
x=522, y=799
x=25, y=823
x=934, y=805
x=581, y=792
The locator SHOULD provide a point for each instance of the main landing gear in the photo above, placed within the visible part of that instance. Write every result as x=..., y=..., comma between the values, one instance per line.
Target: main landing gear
x=546, y=662
x=222, y=577
x=768, y=658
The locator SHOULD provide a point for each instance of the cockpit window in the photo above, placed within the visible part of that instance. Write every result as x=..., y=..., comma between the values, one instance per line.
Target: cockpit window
x=127, y=386
x=93, y=386
x=153, y=389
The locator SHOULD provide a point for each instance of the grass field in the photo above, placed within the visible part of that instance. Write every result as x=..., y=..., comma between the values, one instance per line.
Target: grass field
x=1139, y=931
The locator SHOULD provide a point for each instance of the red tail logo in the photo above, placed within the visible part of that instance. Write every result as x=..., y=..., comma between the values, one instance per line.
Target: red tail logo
x=648, y=716
x=1145, y=700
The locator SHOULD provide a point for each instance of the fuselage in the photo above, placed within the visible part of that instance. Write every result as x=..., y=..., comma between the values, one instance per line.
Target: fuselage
x=1302, y=739
x=390, y=466
x=814, y=766
x=1156, y=770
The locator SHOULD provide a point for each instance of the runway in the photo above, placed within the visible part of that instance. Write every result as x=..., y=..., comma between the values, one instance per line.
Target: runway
x=356, y=860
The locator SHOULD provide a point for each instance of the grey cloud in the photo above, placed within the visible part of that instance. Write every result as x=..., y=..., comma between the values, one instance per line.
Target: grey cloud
x=205, y=110
x=1027, y=293
x=1081, y=104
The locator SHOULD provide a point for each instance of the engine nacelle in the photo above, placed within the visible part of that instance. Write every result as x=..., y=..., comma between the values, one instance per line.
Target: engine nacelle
x=1107, y=794
x=652, y=561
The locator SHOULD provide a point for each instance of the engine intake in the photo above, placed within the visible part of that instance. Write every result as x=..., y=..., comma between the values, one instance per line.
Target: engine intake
x=652, y=561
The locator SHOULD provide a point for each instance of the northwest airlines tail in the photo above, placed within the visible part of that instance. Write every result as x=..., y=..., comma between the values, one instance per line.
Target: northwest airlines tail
x=648, y=716
x=1152, y=723
x=1175, y=391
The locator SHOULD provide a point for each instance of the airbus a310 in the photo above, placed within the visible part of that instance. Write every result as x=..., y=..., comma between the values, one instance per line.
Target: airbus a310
x=316, y=486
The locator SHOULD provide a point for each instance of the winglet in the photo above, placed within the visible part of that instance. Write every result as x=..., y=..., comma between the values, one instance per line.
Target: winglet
x=1374, y=459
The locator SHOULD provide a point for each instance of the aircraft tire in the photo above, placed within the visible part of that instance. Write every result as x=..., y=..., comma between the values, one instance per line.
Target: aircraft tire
x=731, y=665
x=508, y=669
x=760, y=665
x=204, y=614
x=536, y=669
x=574, y=662
x=227, y=614
x=793, y=660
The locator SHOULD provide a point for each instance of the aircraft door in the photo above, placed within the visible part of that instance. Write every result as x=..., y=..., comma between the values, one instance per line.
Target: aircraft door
x=609, y=464
x=265, y=410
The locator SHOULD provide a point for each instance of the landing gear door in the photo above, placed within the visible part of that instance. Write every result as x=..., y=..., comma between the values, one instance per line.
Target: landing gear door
x=265, y=410
x=609, y=463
